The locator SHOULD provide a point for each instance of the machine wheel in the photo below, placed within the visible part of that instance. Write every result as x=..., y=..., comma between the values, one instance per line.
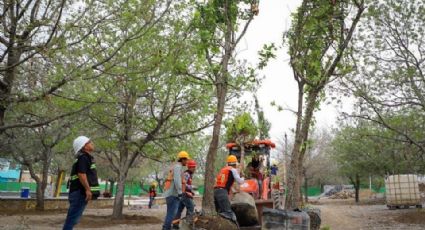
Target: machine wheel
x=419, y=206
x=391, y=207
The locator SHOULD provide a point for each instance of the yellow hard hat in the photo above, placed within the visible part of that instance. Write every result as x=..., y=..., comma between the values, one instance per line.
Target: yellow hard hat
x=232, y=159
x=183, y=154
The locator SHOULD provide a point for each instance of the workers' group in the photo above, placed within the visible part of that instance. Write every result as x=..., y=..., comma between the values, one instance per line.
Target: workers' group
x=178, y=190
x=178, y=193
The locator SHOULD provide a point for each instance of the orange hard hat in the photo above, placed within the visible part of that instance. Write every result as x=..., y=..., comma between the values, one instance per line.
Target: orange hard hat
x=183, y=154
x=191, y=164
x=232, y=159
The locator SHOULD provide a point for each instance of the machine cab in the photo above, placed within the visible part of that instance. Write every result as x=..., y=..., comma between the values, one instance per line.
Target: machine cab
x=256, y=169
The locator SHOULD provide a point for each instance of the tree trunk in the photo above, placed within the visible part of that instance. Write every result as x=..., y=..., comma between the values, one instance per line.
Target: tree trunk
x=39, y=189
x=41, y=182
x=119, y=198
x=221, y=91
x=242, y=161
x=208, y=198
x=2, y=113
x=305, y=187
x=40, y=196
x=293, y=198
x=357, y=188
x=356, y=182
x=13, y=57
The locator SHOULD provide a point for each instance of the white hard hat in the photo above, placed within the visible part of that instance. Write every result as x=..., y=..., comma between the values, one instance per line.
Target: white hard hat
x=79, y=143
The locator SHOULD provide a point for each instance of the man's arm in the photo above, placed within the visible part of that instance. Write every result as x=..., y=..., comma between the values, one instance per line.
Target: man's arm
x=83, y=167
x=85, y=183
x=236, y=176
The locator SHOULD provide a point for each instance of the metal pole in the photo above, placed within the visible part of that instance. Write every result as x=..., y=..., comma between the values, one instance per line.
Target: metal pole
x=370, y=182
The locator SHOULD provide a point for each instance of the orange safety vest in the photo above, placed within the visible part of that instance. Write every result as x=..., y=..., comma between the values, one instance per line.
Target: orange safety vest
x=170, y=179
x=222, y=179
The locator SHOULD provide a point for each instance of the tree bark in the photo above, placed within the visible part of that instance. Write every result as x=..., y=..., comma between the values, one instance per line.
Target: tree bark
x=294, y=199
x=13, y=58
x=119, y=197
x=357, y=188
x=41, y=182
x=41, y=187
x=242, y=161
x=208, y=198
x=292, y=171
x=305, y=186
x=356, y=182
x=221, y=92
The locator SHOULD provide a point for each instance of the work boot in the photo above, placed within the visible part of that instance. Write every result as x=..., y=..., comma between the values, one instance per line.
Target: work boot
x=176, y=226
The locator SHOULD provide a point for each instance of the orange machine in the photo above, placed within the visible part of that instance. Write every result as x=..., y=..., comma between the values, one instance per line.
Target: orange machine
x=259, y=187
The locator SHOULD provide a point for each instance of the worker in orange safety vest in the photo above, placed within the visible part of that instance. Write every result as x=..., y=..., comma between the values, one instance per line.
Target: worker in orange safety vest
x=223, y=184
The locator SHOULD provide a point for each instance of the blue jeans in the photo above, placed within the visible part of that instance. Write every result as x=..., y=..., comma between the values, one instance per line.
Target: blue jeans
x=173, y=203
x=188, y=203
x=77, y=204
x=151, y=199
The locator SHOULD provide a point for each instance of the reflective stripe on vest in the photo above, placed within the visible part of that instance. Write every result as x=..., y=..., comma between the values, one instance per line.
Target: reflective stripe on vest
x=92, y=166
x=95, y=188
x=223, y=177
x=74, y=177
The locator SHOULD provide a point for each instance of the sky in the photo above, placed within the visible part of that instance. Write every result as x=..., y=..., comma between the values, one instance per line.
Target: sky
x=279, y=84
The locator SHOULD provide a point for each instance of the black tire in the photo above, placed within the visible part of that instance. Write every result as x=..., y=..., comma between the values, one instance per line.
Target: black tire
x=419, y=206
x=391, y=207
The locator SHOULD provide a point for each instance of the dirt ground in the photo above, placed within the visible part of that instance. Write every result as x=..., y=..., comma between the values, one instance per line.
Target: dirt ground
x=92, y=218
x=346, y=215
x=336, y=214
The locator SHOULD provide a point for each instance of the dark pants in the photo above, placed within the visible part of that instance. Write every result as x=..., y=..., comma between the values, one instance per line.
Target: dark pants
x=77, y=204
x=151, y=199
x=190, y=207
x=222, y=204
x=173, y=203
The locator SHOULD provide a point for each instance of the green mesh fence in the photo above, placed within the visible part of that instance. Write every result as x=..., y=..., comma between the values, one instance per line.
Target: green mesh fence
x=133, y=189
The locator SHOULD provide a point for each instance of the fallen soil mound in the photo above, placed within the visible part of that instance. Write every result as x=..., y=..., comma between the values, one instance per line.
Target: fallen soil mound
x=214, y=223
x=416, y=217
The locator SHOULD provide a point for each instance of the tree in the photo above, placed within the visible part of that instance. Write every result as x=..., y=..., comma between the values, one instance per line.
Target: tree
x=318, y=40
x=37, y=41
x=147, y=97
x=390, y=61
x=217, y=24
x=366, y=149
x=241, y=130
x=263, y=124
x=35, y=149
